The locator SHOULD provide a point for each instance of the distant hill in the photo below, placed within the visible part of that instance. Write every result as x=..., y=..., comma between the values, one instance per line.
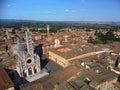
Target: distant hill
x=15, y=21
x=68, y=22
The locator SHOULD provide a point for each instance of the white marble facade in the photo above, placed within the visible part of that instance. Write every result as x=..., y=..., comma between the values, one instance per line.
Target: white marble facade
x=29, y=63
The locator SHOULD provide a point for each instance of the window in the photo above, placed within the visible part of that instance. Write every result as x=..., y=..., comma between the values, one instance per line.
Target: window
x=35, y=70
x=29, y=71
x=24, y=74
x=29, y=61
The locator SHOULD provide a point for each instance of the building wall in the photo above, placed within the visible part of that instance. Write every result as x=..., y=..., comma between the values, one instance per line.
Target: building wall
x=117, y=72
x=108, y=85
x=5, y=81
x=12, y=88
x=58, y=59
x=28, y=69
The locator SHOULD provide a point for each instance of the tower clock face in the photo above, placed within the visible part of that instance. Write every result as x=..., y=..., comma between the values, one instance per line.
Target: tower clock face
x=29, y=61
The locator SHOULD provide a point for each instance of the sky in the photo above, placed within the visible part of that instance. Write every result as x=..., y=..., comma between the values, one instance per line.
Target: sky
x=61, y=10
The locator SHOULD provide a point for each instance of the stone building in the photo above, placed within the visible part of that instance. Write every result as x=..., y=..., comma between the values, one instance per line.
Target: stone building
x=28, y=64
x=5, y=81
x=100, y=78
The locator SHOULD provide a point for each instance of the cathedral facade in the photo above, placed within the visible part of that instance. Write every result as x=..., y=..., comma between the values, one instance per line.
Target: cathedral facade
x=28, y=64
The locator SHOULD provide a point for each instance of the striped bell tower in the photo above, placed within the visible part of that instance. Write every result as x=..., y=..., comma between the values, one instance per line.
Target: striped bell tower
x=29, y=42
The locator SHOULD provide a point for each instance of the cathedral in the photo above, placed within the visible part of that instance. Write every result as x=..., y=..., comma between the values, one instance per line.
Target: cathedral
x=28, y=65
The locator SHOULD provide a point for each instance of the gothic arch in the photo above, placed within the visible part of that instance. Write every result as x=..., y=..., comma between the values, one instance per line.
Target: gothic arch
x=30, y=71
x=24, y=73
x=35, y=69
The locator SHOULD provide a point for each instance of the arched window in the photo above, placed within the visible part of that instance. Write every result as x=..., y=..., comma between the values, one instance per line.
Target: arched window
x=24, y=74
x=35, y=70
x=29, y=71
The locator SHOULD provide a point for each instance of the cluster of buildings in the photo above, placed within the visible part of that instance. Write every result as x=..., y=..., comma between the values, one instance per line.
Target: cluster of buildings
x=83, y=66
